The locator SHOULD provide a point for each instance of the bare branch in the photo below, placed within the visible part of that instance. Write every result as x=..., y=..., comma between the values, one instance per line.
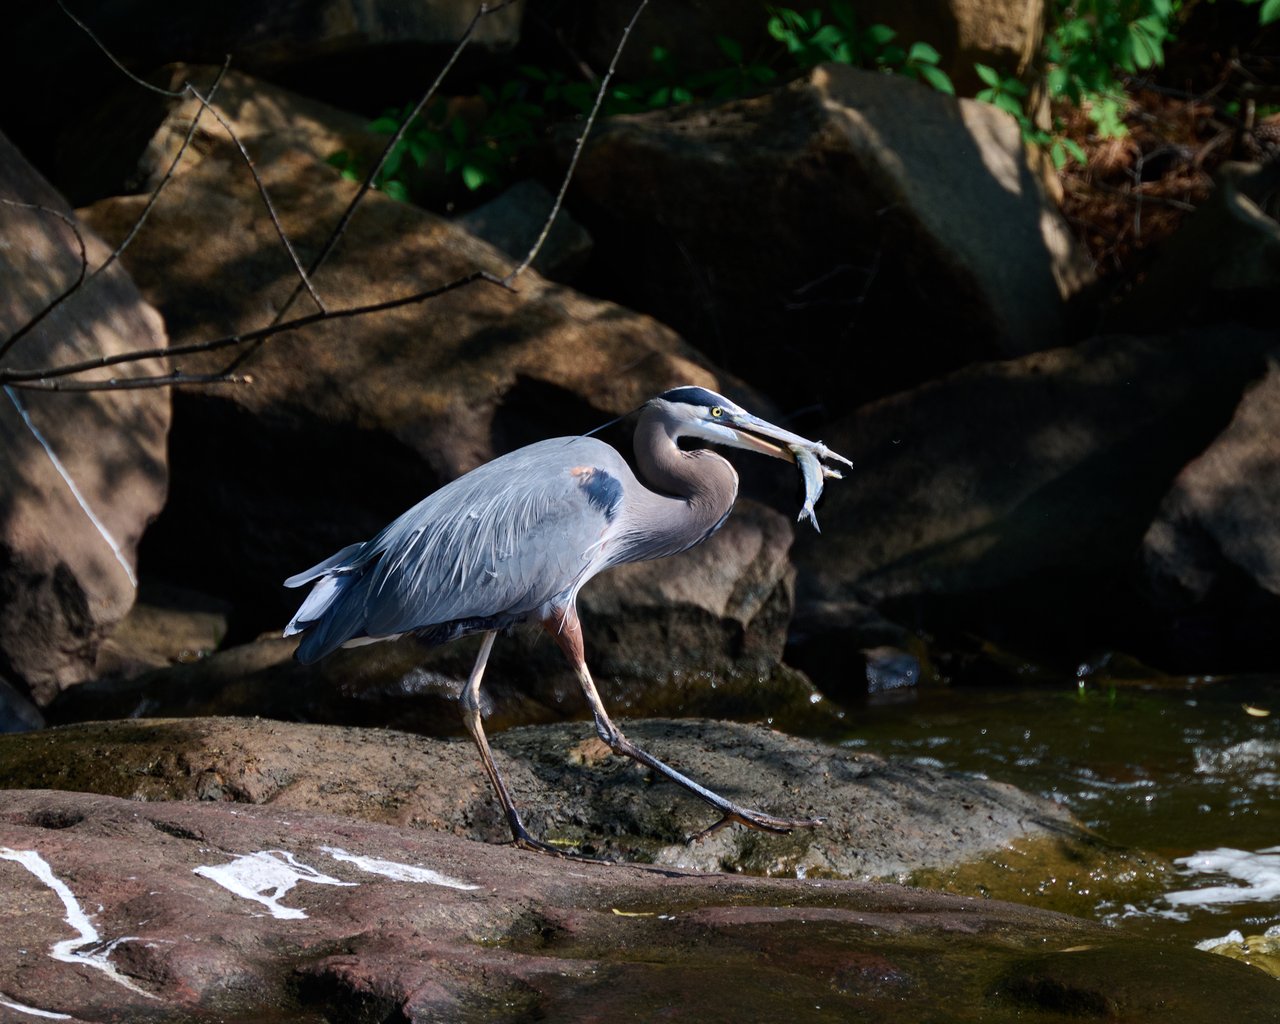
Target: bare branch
x=55, y=378
x=578, y=148
x=26, y=328
x=27, y=377
x=168, y=174
x=112, y=57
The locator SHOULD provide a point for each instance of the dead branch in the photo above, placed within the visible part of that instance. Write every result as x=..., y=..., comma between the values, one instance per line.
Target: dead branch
x=55, y=378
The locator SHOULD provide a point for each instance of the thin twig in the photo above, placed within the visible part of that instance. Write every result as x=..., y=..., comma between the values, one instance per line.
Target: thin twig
x=578, y=148
x=26, y=328
x=112, y=57
x=168, y=174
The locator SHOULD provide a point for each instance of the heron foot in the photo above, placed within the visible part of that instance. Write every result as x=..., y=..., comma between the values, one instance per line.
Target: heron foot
x=522, y=840
x=760, y=822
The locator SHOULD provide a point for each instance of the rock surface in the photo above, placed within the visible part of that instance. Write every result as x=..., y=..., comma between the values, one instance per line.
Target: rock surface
x=65, y=581
x=830, y=215
x=1013, y=496
x=1212, y=554
x=122, y=910
x=885, y=818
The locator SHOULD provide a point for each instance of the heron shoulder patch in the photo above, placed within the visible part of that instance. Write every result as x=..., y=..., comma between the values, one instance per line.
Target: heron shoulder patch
x=602, y=490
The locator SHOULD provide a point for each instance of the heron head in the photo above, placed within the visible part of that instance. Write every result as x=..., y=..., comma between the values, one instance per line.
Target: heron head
x=692, y=411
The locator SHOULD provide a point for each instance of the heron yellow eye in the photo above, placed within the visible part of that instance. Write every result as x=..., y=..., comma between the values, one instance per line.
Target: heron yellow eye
x=716, y=412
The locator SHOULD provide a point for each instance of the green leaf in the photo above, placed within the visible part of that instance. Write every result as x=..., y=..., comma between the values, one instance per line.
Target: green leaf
x=1008, y=104
x=923, y=53
x=988, y=74
x=475, y=177
x=879, y=35
x=396, y=190
x=1270, y=12
x=937, y=78
x=731, y=48
x=1076, y=150
x=385, y=125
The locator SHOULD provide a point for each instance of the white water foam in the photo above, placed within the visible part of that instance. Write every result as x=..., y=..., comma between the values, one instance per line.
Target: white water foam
x=266, y=877
x=395, y=870
x=1259, y=872
x=69, y=950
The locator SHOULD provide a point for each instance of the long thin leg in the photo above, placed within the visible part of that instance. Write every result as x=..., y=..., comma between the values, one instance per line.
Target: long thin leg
x=568, y=635
x=470, y=701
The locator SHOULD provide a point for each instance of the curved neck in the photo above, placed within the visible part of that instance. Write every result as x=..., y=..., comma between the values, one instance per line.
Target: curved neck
x=694, y=492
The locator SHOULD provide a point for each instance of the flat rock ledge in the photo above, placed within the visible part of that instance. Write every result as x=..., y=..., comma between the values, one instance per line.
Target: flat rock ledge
x=885, y=819
x=183, y=911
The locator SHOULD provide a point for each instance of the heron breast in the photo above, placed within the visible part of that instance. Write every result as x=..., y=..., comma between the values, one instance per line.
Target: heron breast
x=603, y=491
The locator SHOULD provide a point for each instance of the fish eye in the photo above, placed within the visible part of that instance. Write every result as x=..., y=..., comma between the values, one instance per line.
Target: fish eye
x=716, y=412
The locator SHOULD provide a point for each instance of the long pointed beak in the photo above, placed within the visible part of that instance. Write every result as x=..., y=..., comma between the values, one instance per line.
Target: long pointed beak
x=757, y=435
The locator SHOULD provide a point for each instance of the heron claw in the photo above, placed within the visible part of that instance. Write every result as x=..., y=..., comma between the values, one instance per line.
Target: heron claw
x=523, y=841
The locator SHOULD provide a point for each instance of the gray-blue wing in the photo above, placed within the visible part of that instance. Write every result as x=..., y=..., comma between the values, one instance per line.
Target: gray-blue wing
x=494, y=545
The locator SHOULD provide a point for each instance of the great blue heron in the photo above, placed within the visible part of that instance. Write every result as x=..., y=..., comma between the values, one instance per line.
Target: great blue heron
x=516, y=539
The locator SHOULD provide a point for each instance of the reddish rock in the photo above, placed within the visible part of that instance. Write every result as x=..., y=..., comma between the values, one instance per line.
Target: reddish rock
x=62, y=586
x=203, y=912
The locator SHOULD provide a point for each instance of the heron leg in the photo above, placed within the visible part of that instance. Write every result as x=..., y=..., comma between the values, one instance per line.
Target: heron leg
x=568, y=635
x=470, y=701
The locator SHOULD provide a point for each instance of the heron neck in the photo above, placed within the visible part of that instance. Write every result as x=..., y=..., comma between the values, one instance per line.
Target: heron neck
x=692, y=491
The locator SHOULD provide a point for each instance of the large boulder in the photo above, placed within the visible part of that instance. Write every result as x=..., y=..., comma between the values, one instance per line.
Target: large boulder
x=68, y=556
x=1011, y=498
x=848, y=212
x=117, y=910
x=1212, y=554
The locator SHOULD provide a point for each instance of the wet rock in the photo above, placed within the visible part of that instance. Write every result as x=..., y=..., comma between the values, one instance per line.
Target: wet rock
x=885, y=818
x=844, y=206
x=1211, y=557
x=63, y=586
x=513, y=221
x=1071, y=983
x=1009, y=499
x=349, y=920
x=1261, y=951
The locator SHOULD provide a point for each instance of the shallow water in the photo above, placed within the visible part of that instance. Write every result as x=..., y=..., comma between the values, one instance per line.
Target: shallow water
x=1189, y=772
